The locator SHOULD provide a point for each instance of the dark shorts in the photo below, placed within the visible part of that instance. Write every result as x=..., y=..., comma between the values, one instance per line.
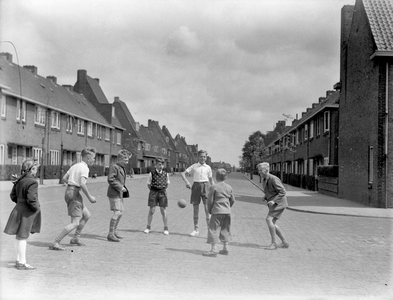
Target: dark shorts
x=157, y=198
x=199, y=191
x=219, y=229
x=276, y=213
x=74, y=201
x=116, y=204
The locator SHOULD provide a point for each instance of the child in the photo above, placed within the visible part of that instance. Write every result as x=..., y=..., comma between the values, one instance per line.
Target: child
x=116, y=180
x=203, y=175
x=275, y=195
x=157, y=182
x=25, y=218
x=76, y=179
x=219, y=203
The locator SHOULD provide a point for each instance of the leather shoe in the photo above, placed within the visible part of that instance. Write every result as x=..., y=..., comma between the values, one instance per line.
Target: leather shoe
x=271, y=247
x=283, y=245
x=112, y=238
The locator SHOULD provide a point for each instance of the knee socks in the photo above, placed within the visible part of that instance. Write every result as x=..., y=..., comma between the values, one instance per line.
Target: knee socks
x=66, y=230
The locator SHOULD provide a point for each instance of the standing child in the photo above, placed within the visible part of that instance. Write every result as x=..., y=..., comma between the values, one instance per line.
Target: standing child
x=25, y=218
x=202, y=176
x=219, y=203
x=116, y=188
x=76, y=179
x=157, y=182
x=275, y=195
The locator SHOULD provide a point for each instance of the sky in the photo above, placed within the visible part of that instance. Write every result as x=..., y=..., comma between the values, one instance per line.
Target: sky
x=213, y=71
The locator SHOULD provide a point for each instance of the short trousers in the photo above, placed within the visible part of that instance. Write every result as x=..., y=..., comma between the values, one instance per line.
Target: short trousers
x=116, y=204
x=74, y=201
x=157, y=198
x=276, y=213
x=219, y=229
x=199, y=190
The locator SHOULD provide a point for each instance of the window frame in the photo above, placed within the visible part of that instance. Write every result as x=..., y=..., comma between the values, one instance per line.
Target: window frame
x=3, y=107
x=80, y=125
x=326, y=121
x=118, y=138
x=89, y=129
x=40, y=115
x=55, y=119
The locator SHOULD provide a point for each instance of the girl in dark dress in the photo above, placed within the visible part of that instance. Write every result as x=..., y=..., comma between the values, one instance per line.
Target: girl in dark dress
x=25, y=218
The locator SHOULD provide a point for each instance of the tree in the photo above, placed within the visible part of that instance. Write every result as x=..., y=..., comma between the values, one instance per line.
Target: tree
x=252, y=150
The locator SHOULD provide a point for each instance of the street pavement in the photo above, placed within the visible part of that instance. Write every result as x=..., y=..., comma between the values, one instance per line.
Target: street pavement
x=338, y=251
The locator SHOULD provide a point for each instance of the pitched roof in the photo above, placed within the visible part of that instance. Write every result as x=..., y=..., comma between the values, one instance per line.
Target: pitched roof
x=380, y=16
x=42, y=91
x=128, y=115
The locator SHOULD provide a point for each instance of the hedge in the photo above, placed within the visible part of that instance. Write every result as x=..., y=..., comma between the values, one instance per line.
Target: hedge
x=328, y=171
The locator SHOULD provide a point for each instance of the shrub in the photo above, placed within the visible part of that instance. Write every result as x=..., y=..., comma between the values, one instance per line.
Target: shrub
x=328, y=171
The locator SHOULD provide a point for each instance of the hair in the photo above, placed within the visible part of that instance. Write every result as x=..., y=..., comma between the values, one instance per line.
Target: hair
x=264, y=165
x=88, y=151
x=159, y=160
x=221, y=174
x=28, y=164
x=124, y=153
x=202, y=152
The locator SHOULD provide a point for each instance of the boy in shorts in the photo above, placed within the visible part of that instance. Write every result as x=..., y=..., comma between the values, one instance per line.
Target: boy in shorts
x=219, y=202
x=76, y=179
x=117, y=179
x=275, y=195
x=202, y=176
x=157, y=182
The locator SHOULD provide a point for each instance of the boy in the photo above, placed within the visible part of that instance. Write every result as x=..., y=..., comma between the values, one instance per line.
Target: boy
x=157, y=182
x=202, y=175
x=220, y=200
x=76, y=179
x=117, y=179
x=275, y=195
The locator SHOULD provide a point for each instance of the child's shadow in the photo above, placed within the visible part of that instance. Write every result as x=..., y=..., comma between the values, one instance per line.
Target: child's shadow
x=194, y=251
x=93, y=236
x=7, y=264
x=247, y=245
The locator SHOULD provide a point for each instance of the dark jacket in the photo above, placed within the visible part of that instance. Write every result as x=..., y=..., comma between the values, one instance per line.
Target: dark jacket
x=25, y=218
x=274, y=191
x=116, y=180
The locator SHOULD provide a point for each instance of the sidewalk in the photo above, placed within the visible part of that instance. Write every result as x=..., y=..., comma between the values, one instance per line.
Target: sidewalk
x=313, y=202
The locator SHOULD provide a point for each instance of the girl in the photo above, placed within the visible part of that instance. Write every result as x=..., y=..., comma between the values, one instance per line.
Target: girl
x=25, y=218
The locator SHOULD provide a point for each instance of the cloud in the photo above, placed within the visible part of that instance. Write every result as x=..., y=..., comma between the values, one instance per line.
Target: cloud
x=183, y=42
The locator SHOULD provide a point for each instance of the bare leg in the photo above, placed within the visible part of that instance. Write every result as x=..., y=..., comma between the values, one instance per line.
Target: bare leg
x=196, y=216
x=164, y=216
x=152, y=210
x=272, y=229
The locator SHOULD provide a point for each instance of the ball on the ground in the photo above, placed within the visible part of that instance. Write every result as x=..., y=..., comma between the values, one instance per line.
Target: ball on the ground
x=182, y=203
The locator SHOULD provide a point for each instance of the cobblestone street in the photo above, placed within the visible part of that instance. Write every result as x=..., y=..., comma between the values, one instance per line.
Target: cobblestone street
x=330, y=256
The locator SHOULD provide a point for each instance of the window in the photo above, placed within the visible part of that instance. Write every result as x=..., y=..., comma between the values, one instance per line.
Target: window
x=20, y=110
x=148, y=147
x=139, y=146
x=155, y=148
x=326, y=121
x=69, y=124
x=317, y=128
x=106, y=160
x=326, y=161
x=37, y=154
x=113, y=112
x=118, y=139
x=306, y=132
x=370, y=165
x=311, y=132
x=2, y=154
x=81, y=126
x=55, y=120
x=297, y=137
x=78, y=157
x=167, y=139
x=3, y=106
x=54, y=157
x=98, y=131
x=107, y=134
x=40, y=115
x=90, y=129
x=14, y=155
x=311, y=167
x=163, y=151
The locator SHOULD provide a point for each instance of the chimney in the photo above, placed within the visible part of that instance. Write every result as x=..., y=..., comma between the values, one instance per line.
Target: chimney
x=117, y=99
x=303, y=113
x=314, y=105
x=7, y=56
x=137, y=125
x=321, y=99
x=82, y=75
x=346, y=21
x=32, y=69
x=52, y=78
x=328, y=93
x=97, y=79
x=68, y=87
x=308, y=109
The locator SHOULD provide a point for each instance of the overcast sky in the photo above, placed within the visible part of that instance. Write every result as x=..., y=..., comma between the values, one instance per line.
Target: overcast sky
x=212, y=71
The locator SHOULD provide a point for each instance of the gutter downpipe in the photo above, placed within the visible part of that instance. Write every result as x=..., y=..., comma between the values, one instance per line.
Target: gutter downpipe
x=386, y=135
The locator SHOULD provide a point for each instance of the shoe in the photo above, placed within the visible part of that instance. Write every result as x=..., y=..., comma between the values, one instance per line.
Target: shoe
x=271, y=247
x=194, y=233
x=26, y=267
x=223, y=252
x=166, y=232
x=147, y=230
x=210, y=254
x=112, y=238
x=283, y=245
x=56, y=247
x=119, y=236
x=76, y=242
x=17, y=264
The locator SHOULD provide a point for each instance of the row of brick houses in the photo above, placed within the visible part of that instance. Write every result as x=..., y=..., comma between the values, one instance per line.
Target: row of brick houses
x=52, y=122
x=351, y=127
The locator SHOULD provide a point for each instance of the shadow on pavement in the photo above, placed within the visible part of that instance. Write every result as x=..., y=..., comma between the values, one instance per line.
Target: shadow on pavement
x=248, y=199
x=248, y=245
x=197, y=252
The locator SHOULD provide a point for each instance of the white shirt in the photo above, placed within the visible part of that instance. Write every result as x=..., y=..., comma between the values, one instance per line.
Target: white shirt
x=201, y=173
x=76, y=172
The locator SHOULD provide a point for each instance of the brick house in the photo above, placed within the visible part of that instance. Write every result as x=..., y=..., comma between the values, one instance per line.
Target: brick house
x=366, y=103
x=164, y=148
x=173, y=156
x=45, y=120
x=90, y=88
x=184, y=159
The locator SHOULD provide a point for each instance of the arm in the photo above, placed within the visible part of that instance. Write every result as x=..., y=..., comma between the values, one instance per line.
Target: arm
x=32, y=196
x=210, y=199
x=65, y=178
x=148, y=182
x=232, y=198
x=281, y=192
x=183, y=175
x=84, y=189
x=113, y=180
x=13, y=195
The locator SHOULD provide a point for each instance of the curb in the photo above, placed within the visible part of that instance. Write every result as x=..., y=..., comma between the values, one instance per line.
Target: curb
x=319, y=212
